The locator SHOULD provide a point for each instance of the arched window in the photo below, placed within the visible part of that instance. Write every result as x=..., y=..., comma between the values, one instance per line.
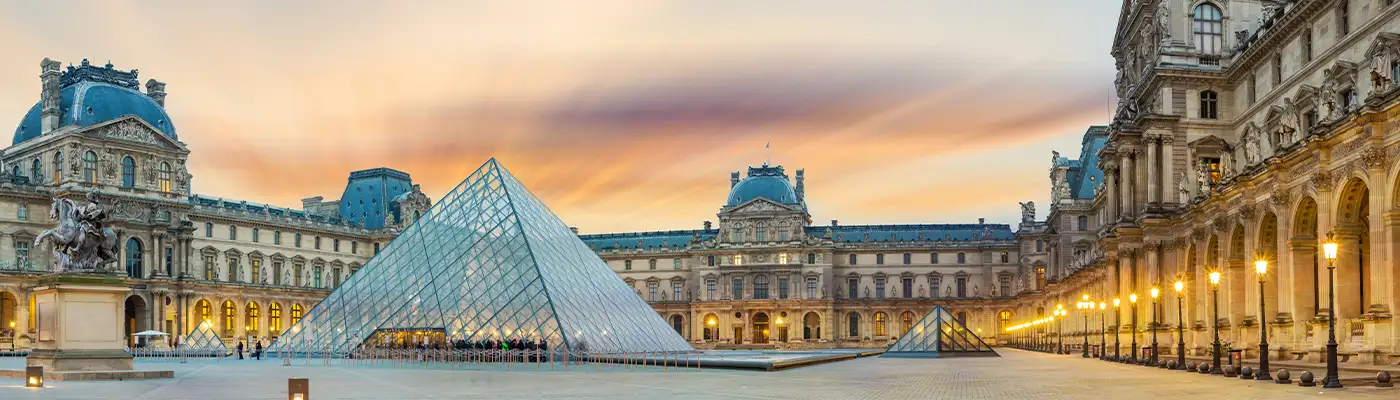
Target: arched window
x=274, y=318
x=1083, y=222
x=164, y=177
x=57, y=166
x=1206, y=24
x=906, y=322
x=250, y=322
x=229, y=313
x=853, y=325
x=38, y=170
x=133, y=258
x=1209, y=105
x=15, y=171
x=128, y=172
x=879, y=324
x=90, y=167
x=296, y=314
x=204, y=311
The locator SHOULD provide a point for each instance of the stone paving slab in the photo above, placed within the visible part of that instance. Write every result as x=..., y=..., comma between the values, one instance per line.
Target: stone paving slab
x=1015, y=375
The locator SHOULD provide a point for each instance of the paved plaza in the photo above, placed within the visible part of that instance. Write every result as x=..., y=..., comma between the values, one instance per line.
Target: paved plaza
x=1015, y=375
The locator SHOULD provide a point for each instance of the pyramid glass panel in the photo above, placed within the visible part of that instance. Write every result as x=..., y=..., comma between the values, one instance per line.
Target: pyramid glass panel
x=488, y=262
x=202, y=341
x=939, y=334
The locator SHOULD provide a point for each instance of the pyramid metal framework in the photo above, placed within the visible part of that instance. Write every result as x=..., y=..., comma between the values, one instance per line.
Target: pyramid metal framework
x=488, y=261
x=203, y=341
x=939, y=334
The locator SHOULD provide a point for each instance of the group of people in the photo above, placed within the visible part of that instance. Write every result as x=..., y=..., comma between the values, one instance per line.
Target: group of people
x=257, y=349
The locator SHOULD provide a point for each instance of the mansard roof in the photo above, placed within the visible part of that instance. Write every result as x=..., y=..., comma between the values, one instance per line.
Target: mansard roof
x=646, y=240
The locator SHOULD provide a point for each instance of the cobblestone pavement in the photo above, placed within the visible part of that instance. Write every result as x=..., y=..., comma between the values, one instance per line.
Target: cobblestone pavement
x=1015, y=375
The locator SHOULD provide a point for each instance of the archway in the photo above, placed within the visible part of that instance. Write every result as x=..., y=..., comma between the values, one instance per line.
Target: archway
x=711, y=327
x=9, y=317
x=229, y=314
x=880, y=324
x=678, y=323
x=252, y=319
x=135, y=318
x=1307, y=263
x=811, y=326
x=203, y=312
x=906, y=322
x=1237, y=275
x=134, y=265
x=760, y=328
x=1267, y=249
x=853, y=325
x=1352, y=235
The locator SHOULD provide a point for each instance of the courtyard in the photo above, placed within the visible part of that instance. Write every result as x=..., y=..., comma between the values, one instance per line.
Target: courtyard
x=1016, y=374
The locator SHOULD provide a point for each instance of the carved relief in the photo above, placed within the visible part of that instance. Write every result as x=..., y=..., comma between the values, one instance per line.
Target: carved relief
x=1279, y=198
x=1373, y=158
x=1321, y=181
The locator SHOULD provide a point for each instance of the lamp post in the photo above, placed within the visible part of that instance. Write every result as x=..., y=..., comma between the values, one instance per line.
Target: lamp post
x=1060, y=328
x=1261, y=267
x=1084, y=307
x=1154, y=292
x=1180, y=331
x=1103, y=329
x=1132, y=299
x=1329, y=250
x=1215, y=322
x=1116, y=327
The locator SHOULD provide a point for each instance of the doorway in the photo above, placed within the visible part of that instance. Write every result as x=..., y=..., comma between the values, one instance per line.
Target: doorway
x=760, y=328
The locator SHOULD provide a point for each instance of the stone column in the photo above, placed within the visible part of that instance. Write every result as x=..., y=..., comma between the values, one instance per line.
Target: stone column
x=1125, y=175
x=158, y=253
x=1169, y=192
x=1322, y=182
x=1153, y=186
x=1110, y=171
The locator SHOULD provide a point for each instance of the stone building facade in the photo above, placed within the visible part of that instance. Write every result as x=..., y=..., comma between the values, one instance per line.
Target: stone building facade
x=765, y=276
x=249, y=269
x=1246, y=131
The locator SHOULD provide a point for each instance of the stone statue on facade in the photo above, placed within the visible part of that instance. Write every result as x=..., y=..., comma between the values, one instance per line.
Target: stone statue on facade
x=823, y=292
x=1289, y=124
x=1028, y=212
x=80, y=242
x=867, y=292
x=976, y=291
x=1251, y=146
x=1183, y=187
x=949, y=292
x=1164, y=22
x=1202, y=180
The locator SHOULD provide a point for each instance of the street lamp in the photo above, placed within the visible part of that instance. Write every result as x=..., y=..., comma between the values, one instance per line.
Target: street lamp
x=1215, y=321
x=1261, y=267
x=1060, y=328
x=1329, y=250
x=1132, y=298
x=1154, y=292
x=1116, y=327
x=1103, y=329
x=1084, y=307
x=1180, y=331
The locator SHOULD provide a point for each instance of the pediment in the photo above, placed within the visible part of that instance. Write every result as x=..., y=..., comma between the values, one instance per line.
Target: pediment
x=133, y=130
x=1210, y=141
x=1385, y=44
x=760, y=205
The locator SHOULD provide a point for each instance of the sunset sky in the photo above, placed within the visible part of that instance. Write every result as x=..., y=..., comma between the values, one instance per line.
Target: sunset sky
x=620, y=115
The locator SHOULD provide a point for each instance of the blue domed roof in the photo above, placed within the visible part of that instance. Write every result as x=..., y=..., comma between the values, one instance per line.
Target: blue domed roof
x=92, y=95
x=763, y=182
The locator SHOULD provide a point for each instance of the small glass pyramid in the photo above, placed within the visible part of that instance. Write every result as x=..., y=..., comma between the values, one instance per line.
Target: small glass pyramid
x=939, y=334
x=487, y=262
x=202, y=341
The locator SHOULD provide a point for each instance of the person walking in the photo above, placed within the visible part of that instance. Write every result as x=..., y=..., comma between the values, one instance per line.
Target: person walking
x=257, y=350
x=240, y=350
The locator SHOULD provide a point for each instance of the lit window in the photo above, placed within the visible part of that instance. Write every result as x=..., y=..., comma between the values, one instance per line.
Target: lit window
x=90, y=167
x=738, y=259
x=164, y=179
x=782, y=258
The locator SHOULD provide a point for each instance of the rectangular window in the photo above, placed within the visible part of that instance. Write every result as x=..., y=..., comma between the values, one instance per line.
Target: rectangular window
x=782, y=236
x=853, y=287
x=738, y=288
x=1348, y=98
x=276, y=237
x=376, y=248
x=1253, y=88
x=1209, y=105
x=782, y=288
x=879, y=288
x=21, y=253
x=933, y=258
x=1212, y=165
x=760, y=288
x=318, y=243
x=935, y=285
x=169, y=262
x=335, y=245
x=232, y=232
x=277, y=273
x=1040, y=279
x=255, y=235
x=335, y=278
x=676, y=263
x=354, y=247
x=233, y=270
x=297, y=240
x=208, y=230
x=1278, y=69
x=1004, y=283
x=907, y=287
x=1307, y=45
x=255, y=267
x=962, y=287
x=651, y=264
x=880, y=259
x=1343, y=19
x=23, y=213
x=907, y=258
x=782, y=258
x=710, y=289
x=1311, y=117
x=316, y=278
x=1005, y=257
x=811, y=288
x=208, y=268
x=627, y=265
x=676, y=291
x=297, y=275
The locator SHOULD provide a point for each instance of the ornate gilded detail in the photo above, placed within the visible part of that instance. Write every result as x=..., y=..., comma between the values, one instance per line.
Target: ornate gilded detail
x=1246, y=213
x=1279, y=198
x=1321, y=181
x=1374, y=158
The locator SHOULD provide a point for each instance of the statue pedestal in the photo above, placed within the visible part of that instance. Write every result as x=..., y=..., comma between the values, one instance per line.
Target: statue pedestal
x=80, y=327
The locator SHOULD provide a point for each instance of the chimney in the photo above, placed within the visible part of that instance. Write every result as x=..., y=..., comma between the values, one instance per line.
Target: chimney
x=833, y=223
x=981, y=221
x=573, y=229
x=309, y=204
x=800, y=196
x=156, y=90
x=48, y=95
x=707, y=225
x=733, y=179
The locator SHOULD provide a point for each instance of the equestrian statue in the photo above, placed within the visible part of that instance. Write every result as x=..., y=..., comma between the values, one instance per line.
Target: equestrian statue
x=80, y=242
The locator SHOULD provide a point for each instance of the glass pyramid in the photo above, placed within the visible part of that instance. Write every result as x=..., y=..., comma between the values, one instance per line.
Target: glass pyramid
x=202, y=341
x=939, y=334
x=487, y=262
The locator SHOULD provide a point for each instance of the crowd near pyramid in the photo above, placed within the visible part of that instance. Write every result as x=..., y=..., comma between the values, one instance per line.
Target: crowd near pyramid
x=939, y=334
x=487, y=263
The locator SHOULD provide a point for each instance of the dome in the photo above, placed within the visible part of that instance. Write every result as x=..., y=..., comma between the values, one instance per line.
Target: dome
x=763, y=182
x=92, y=95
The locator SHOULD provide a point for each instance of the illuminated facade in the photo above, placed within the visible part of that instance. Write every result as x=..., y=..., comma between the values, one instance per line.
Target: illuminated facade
x=249, y=269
